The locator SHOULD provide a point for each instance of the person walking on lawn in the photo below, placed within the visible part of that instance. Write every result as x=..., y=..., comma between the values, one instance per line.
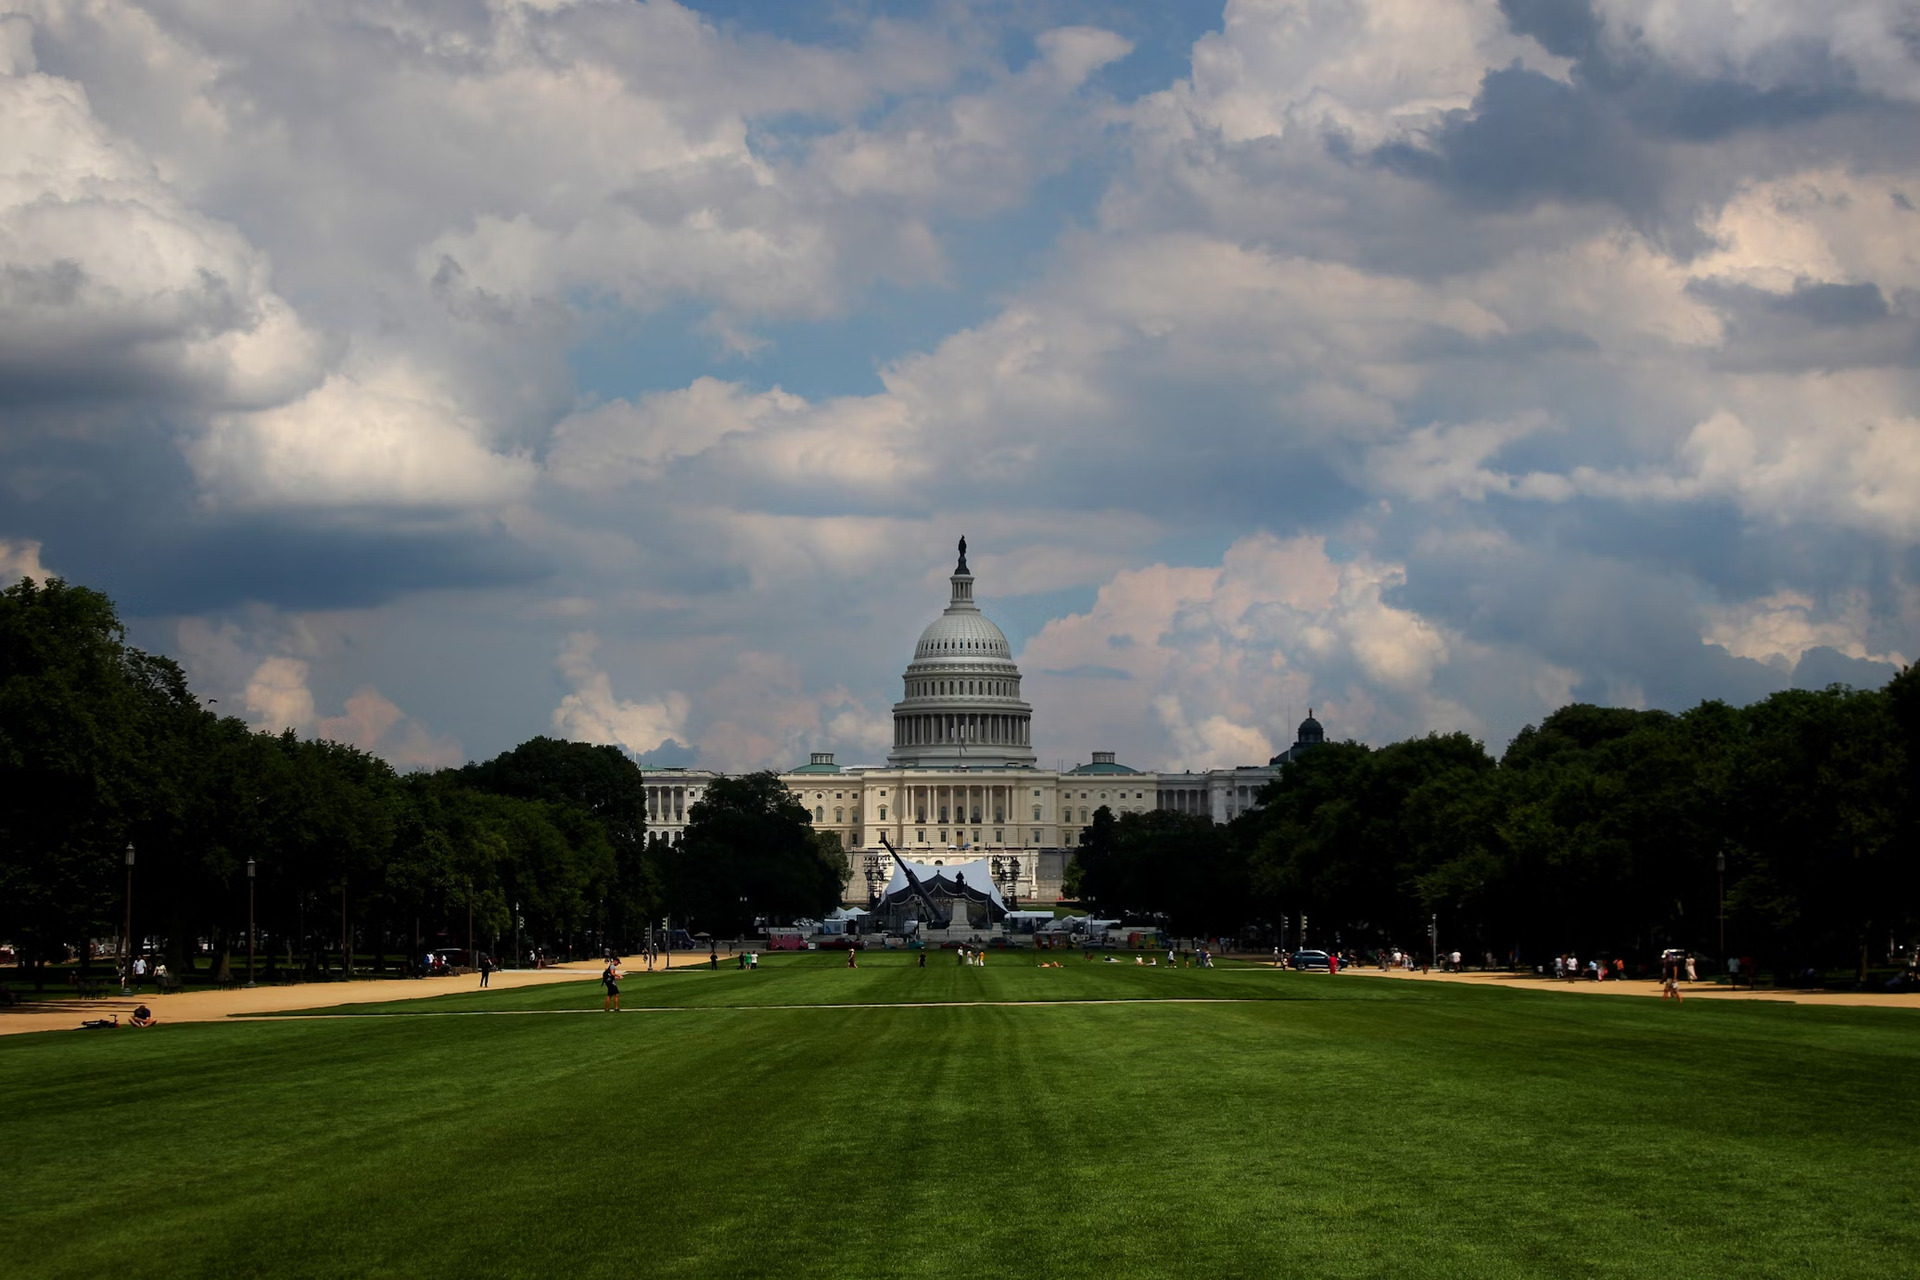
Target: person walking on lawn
x=610, y=978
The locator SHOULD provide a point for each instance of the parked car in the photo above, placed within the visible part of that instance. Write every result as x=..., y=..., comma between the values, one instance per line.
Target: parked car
x=1310, y=960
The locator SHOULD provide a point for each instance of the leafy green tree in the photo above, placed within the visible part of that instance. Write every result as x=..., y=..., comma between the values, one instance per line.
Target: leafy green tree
x=1369, y=843
x=749, y=851
x=81, y=715
x=602, y=784
x=1822, y=793
x=1179, y=868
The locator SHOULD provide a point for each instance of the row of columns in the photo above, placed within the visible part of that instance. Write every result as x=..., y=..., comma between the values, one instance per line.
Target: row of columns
x=959, y=806
x=662, y=801
x=1186, y=800
x=989, y=728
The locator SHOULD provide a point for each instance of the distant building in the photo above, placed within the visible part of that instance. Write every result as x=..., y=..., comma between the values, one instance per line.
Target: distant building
x=961, y=786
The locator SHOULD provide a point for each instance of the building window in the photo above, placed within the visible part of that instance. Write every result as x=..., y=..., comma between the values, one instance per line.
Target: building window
x=999, y=837
x=1036, y=813
x=1083, y=815
x=819, y=814
x=1036, y=837
x=839, y=816
x=883, y=810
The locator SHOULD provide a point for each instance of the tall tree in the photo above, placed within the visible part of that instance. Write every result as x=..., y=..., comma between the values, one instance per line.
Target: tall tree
x=80, y=715
x=749, y=851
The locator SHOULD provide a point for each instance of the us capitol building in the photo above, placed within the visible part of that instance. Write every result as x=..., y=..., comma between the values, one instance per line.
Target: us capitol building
x=961, y=782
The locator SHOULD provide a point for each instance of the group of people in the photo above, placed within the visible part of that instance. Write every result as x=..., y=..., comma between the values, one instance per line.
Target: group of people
x=973, y=956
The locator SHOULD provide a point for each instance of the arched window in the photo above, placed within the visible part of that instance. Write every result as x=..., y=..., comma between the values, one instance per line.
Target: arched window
x=819, y=814
x=839, y=815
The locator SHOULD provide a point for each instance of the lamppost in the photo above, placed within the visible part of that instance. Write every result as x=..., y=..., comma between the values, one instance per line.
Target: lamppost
x=1007, y=872
x=516, y=935
x=249, y=922
x=1720, y=865
x=126, y=945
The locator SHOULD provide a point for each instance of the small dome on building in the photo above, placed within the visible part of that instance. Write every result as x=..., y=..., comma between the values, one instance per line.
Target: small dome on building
x=1310, y=730
x=1103, y=763
x=821, y=762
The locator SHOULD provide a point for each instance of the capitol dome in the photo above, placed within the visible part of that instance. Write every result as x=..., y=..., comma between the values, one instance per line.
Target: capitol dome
x=962, y=692
x=959, y=636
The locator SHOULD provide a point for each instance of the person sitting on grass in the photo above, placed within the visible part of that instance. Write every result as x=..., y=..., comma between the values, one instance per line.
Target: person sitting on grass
x=101, y=1024
x=143, y=1017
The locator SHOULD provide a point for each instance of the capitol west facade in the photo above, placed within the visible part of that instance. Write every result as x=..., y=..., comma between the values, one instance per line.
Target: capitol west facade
x=961, y=782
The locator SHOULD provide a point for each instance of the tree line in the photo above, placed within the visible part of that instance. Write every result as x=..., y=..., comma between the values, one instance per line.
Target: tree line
x=103, y=746
x=1600, y=831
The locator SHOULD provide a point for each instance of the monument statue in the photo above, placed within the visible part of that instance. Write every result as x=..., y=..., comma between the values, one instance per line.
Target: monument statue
x=963, y=556
x=938, y=919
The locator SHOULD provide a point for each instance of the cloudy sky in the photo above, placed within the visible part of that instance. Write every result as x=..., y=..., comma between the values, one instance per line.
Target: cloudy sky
x=434, y=375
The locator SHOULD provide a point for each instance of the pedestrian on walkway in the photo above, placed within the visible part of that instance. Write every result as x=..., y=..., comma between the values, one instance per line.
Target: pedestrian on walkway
x=610, y=978
x=486, y=970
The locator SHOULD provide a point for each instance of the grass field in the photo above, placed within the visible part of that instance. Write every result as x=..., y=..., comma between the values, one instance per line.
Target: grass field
x=748, y=1124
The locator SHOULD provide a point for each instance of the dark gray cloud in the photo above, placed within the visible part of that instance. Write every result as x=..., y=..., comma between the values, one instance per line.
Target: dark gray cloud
x=1671, y=103
x=1529, y=137
x=1822, y=666
x=1817, y=325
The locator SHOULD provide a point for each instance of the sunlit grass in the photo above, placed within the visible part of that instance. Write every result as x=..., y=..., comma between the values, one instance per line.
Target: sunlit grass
x=1311, y=1125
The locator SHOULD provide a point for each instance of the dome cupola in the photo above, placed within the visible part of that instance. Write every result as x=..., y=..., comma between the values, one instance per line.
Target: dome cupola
x=1310, y=734
x=962, y=691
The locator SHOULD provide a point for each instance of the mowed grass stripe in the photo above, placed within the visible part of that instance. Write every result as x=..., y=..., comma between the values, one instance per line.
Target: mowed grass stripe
x=1447, y=1132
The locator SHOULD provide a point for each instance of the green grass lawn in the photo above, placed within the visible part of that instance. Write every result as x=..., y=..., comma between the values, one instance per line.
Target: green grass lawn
x=1302, y=1125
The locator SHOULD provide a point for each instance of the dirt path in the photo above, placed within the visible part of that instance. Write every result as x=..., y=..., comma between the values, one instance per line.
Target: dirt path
x=62, y=1013
x=1643, y=987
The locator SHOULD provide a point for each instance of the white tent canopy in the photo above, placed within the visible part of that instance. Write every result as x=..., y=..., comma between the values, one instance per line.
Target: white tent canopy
x=976, y=875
